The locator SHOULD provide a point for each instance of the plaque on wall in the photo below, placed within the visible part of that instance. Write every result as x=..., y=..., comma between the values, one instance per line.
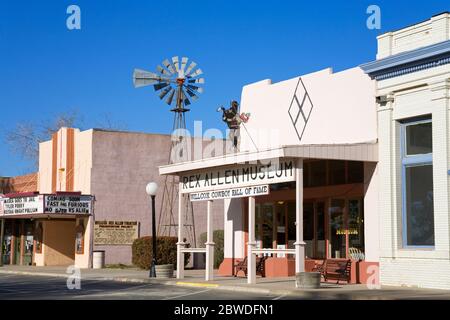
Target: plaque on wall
x=115, y=232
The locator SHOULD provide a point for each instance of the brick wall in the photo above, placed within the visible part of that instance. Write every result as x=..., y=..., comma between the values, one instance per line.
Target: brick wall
x=25, y=183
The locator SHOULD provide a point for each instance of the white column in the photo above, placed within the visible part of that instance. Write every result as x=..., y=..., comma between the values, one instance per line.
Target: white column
x=209, y=244
x=299, y=243
x=251, y=258
x=180, y=243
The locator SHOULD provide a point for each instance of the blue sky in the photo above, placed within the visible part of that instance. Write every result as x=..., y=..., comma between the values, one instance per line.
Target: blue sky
x=46, y=68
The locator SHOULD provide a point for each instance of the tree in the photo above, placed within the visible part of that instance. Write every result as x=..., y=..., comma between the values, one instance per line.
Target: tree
x=25, y=137
x=106, y=122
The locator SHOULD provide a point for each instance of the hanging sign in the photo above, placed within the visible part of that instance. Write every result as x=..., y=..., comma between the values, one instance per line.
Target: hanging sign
x=244, y=175
x=72, y=204
x=22, y=205
x=230, y=193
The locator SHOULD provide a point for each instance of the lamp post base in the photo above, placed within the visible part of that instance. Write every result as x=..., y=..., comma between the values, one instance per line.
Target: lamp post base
x=153, y=269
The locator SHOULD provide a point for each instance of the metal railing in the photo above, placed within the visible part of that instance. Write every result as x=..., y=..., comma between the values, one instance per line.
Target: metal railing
x=193, y=250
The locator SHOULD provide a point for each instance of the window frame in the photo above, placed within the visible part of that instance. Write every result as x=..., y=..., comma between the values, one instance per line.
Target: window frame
x=408, y=161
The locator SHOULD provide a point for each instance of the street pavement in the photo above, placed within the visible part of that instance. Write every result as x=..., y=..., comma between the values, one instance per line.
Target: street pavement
x=25, y=287
x=25, y=282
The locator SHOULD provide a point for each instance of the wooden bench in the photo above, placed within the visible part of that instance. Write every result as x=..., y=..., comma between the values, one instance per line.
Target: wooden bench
x=334, y=269
x=243, y=265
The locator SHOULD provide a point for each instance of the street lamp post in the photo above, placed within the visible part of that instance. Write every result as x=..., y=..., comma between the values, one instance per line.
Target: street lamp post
x=151, y=190
x=2, y=233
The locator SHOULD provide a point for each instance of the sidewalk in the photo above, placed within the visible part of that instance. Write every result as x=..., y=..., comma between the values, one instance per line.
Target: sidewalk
x=272, y=286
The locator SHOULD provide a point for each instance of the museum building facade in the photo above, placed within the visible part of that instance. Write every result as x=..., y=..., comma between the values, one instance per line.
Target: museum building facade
x=368, y=180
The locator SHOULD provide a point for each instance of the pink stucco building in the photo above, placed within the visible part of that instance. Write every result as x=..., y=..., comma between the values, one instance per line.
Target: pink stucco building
x=112, y=166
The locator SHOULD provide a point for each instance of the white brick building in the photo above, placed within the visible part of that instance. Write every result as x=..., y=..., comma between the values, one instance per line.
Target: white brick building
x=413, y=81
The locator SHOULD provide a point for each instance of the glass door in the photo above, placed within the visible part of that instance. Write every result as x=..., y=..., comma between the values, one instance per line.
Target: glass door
x=308, y=228
x=356, y=228
x=337, y=229
x=272, y=226
x=280, y=226
x=7, y=240
x=266, y=217
x=17, y=242
x=28, y=244
x=320, y=245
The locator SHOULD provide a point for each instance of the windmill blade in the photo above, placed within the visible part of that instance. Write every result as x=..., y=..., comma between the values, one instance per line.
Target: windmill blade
x=176, y=64
x=170, y=97
x=184, y=98
x=196, y=73
x=199, y=80
x=162, y=70
x=161, y=85
x=189, y=69
x=184, y=61
x=190, y=86
x=195, y=88
x=165, y=92
x=142, y=78
x=169, y=66
x=192, y=94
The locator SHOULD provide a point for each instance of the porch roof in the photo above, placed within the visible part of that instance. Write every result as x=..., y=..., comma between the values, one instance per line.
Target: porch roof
x=367, y=152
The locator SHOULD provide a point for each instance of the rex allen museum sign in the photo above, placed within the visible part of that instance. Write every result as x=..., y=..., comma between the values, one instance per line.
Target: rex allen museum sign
x=239, y=176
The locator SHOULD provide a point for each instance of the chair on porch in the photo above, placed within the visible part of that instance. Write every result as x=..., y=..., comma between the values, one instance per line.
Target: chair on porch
x=243, y=266
x=356, y=254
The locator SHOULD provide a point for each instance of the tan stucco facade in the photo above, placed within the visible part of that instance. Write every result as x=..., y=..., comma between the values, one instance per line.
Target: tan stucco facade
x=58, y=243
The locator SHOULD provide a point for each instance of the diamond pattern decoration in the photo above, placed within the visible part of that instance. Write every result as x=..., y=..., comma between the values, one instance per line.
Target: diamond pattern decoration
x=300, y=109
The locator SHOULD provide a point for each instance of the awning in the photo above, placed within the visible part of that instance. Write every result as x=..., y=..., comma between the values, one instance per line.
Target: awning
x=43, y=216
x=367, y=152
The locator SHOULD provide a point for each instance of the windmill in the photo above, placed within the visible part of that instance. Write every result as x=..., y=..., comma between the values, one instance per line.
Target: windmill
x=179, y=83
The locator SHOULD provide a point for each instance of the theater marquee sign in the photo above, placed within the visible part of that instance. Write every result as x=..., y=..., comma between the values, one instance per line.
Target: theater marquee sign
x=22, y=205
x=245, y=175
x=46, y=204
x=72, y=204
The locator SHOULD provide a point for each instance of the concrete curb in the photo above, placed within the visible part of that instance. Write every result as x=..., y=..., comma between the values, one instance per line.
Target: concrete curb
x=40, y=274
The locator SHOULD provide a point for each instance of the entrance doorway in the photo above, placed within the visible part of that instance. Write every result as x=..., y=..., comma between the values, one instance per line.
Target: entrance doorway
x=314, y=221
x=7, y=241
x=28, y=243
x=18, y=242
x=346, y=227
x=332, y=227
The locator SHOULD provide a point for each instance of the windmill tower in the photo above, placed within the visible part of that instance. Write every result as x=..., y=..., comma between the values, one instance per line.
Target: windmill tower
x=178, y=84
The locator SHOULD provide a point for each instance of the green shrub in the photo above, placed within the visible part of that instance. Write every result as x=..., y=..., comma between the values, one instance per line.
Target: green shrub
x=218, y=248
x=142, y=250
